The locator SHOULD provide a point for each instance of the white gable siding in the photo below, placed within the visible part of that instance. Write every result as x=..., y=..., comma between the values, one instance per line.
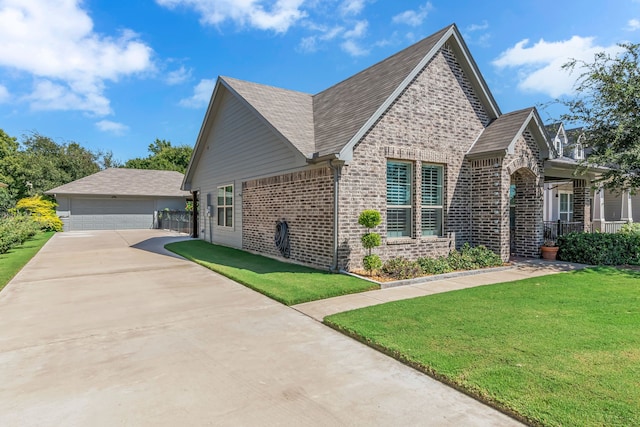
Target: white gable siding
x=238, y=147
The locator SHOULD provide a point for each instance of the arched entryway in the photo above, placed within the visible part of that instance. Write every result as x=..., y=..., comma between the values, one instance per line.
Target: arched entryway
x=525, y=213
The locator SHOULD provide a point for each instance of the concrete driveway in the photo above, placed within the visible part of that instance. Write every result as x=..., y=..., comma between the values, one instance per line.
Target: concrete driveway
x=104, y=329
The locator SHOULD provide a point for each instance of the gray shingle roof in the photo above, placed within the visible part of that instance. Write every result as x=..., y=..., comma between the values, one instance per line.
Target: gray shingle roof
x=289, y=112
x=501, y=132
x=126, y=182
x=343, y=109
x=327, y=121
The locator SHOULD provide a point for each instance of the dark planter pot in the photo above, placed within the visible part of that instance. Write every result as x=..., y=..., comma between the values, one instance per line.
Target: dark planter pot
x=549, y=252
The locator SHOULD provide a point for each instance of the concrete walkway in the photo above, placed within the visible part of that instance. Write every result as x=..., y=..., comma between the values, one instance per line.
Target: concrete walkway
x=522, y=269
x=107, y=329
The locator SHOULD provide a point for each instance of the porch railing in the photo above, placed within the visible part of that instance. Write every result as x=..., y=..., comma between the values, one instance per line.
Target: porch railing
x=607, y=226
x=554, y=229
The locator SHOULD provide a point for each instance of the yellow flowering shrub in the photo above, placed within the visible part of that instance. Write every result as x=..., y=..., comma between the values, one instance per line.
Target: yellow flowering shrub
x=42, y=211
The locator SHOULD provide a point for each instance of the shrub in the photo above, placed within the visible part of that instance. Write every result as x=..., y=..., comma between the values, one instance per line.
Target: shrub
x=630, y=228
x=372, y=262
x=401, y=268
x=15, y=230
x=600, y=248
x=370, y=219
x=438, y=265
x=42, y=211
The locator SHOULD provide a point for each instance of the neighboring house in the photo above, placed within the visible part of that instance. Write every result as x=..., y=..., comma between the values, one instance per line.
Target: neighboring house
x=118, y=198
x=417, y=136
x=609, y=210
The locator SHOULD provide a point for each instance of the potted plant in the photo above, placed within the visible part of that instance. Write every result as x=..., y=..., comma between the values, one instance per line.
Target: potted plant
x=549, y=250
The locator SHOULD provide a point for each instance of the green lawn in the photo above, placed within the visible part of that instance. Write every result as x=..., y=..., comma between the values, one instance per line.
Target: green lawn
x=556, y=350
x=288, y=283
x=13, y=261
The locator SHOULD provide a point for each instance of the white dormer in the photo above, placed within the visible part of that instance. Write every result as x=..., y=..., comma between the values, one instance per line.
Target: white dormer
x=559, y=140
x=578, y=148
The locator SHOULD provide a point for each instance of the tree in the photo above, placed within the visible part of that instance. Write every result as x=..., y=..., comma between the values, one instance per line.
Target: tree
x=607, y=105
x=163, y=156
x=38, y=164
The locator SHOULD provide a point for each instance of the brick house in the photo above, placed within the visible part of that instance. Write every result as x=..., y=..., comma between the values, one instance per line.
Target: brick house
x=417, y=136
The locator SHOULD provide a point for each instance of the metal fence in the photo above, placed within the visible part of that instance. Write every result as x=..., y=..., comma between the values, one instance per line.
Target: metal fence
x=554, y=229
x=179, y=221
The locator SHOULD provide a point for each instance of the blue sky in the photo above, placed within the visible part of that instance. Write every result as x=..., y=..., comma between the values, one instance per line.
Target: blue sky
x=117, y=74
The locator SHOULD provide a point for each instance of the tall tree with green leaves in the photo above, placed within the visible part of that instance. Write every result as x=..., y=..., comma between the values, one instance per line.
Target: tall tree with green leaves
x=38, y=163
x=163, y=156
x=607, y=106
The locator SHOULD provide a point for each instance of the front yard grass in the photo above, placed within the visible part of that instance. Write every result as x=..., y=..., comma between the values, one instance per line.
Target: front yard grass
x=288, y=283
x=13, y=261
x=556, y=350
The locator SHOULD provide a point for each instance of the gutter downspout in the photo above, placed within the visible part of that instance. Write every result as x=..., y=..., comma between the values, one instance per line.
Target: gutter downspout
x=337, y=171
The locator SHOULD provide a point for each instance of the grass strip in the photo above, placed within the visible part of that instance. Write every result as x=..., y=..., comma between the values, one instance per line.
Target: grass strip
x=13, y=261
x=287, y=283
x=556, y=350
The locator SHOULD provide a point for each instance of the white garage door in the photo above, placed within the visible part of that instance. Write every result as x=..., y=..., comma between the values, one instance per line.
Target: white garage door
x=110, y=214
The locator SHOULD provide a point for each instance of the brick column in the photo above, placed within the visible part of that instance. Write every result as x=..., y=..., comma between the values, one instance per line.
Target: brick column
x=582, y=203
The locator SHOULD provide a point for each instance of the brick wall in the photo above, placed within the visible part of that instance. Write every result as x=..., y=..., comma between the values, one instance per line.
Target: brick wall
x=490, y=201
x=435, y=120
x=303, y=199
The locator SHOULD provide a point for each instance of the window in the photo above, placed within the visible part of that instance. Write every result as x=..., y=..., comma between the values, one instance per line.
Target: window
x=225, y=206
x=431, y=200
x=398, y=199
x=566, y=207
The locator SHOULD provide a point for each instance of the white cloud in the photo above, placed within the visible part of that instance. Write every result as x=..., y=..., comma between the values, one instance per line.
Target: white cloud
x=351, y=7
x=4, y=94
x=178, y=76
x=276, y=15
x=353, y=48
x=358, y=31
x=112, y=127
x=413, y=18
x=539, y=67
x=201, y=94
x=351, y=44
x=475, y=34
x=478, y=27
x=633, y=25
x=54, y=41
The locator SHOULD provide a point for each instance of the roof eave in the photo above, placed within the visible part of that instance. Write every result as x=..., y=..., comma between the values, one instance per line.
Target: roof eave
x=486, y=154
x=186, y=181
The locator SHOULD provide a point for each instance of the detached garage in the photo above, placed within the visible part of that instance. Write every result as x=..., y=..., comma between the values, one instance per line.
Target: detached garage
x=118, y=199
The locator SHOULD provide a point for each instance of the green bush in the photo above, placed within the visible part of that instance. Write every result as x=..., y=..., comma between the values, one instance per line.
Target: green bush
x=15, y=230
x=600, y=248
x=372, y=262
x=630, y=228
x=438, y=265
x=401, y=268
x=369, y=218
x=371, y=240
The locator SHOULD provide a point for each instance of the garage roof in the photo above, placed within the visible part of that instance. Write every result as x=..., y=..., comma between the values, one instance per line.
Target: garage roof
x=125, y=182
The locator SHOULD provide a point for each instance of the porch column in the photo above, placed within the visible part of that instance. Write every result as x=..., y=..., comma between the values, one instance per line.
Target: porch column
x=582, y=203
x=598, y=210
x=626, y=213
